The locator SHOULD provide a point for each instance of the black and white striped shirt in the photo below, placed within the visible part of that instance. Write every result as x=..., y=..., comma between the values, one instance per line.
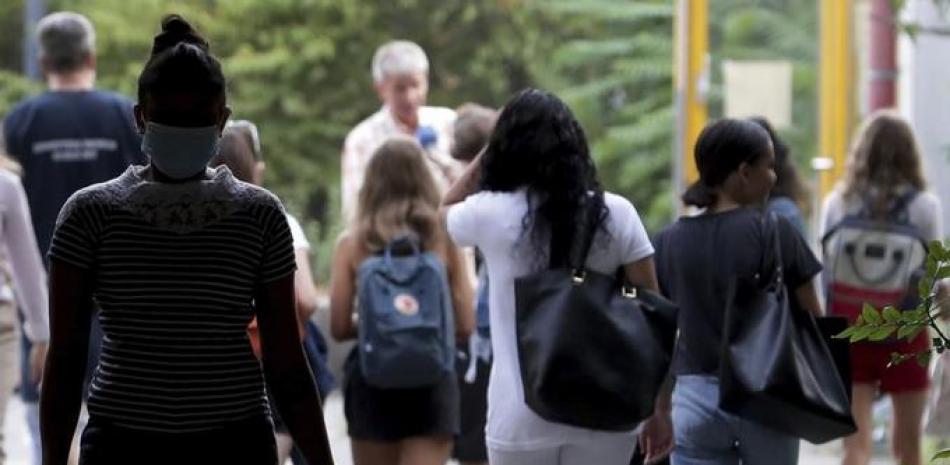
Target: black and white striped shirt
x=175, y=267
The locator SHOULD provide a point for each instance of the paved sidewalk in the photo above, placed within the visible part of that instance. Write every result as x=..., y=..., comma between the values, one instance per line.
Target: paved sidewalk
x=17, y=445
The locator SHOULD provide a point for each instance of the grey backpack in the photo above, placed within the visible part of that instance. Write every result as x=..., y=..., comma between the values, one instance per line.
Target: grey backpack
x=406, y=327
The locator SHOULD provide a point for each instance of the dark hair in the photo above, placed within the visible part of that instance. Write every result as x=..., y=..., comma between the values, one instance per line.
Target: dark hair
x=235, y=152
x=787, y=182
x=537, y=143
x=722, y=147
x=181, y=62
x=472, y=128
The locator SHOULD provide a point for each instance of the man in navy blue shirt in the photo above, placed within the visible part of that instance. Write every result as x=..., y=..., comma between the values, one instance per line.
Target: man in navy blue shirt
x=67, y=138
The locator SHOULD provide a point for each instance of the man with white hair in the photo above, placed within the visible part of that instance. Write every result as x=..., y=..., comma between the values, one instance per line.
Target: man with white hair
x=401, y=78
x=65, y=139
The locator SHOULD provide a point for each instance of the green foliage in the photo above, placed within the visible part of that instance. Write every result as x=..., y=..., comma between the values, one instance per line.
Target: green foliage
x=772, y=30
x=614, y=68
x=301, y=70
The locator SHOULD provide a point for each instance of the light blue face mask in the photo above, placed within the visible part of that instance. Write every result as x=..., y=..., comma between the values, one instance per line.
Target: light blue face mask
x=177, y=152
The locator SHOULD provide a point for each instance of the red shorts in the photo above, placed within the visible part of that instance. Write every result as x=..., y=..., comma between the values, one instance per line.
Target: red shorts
x=869, y=365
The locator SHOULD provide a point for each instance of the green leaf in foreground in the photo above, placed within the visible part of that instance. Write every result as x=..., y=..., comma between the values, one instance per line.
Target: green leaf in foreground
x=891, y=314
x=871, y=315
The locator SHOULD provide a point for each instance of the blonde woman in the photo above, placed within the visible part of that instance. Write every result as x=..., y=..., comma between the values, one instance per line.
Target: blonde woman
x=25, y=265
x=406, y=425
x=884, y=175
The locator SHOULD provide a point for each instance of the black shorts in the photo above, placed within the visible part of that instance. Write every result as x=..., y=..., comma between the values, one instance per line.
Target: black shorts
x=249, y=442
x=374, y=414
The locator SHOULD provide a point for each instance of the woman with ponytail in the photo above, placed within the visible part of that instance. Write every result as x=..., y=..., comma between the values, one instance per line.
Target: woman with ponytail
x=179, y=258
x=696, y=257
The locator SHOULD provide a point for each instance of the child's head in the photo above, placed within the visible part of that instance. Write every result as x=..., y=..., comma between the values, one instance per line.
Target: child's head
x=235, y=152
x=735, y=159
x=181, y=106
x=473, y=127
x=399, y=196
x=884, y=157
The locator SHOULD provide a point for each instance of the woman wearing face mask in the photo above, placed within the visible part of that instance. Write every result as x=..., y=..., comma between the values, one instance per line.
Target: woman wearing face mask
x=695, y=258
x=174, y=254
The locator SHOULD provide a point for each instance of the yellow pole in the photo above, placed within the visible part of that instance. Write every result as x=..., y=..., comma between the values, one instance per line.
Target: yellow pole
x=836, y=97
x=691, y=66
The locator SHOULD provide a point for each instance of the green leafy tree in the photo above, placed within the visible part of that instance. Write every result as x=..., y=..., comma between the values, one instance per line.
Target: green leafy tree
x=614, y=68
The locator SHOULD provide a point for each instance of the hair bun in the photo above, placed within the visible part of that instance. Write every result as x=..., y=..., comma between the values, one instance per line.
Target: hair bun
x=176, y=30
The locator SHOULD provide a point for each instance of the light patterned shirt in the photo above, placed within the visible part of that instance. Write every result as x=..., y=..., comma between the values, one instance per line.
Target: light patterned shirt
x=367, y=136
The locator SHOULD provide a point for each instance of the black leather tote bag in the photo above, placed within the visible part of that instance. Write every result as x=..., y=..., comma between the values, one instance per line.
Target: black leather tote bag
x=593, y=353
x=776, y=367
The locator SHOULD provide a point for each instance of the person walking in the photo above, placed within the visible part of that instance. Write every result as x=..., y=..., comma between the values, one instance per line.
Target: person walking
x=884, y=184
x=69, y=137
x=23, y=265
x=696, y=258
x=180, y=258
x=240, y=151
x=529, y=181
x=400, y=72
x=397, y=214
x=472, y=129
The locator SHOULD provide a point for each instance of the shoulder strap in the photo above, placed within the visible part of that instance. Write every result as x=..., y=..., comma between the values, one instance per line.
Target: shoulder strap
x=900, y=211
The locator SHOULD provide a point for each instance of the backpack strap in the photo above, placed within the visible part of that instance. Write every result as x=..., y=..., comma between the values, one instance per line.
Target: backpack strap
x=900, y=211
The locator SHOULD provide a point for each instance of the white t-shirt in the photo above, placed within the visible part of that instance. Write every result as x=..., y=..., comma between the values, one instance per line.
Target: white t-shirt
x=296, y=231
x=492, y=221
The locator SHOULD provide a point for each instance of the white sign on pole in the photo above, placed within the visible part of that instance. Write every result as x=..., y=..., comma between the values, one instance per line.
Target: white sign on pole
x=759, y=88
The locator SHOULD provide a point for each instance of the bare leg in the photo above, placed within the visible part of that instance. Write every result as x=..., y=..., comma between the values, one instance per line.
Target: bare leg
x=858, y=446
x=428, y=450
x=375, y=452
x=906, y=437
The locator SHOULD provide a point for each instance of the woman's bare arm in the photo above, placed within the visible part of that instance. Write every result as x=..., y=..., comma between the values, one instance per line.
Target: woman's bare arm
x=807, y=297
x=287, y=371
x=71, y=310
x=343, y=289
x=463, y=296
x=466, y=185
x=305, y=291
x=656, y=440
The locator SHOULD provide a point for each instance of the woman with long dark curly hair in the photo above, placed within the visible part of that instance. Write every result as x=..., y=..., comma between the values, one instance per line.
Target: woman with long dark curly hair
x=537, y=177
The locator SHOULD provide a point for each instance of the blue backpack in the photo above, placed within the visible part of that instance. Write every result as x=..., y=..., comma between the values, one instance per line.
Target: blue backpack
x=406, y=324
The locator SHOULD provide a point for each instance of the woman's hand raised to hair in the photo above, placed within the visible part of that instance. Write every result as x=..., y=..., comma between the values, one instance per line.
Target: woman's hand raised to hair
x=466, y=185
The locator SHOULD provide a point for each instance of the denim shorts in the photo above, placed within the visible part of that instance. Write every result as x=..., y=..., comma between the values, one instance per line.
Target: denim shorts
x=707, y=435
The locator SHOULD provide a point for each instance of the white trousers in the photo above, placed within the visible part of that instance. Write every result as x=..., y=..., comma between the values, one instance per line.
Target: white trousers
x=612, y=451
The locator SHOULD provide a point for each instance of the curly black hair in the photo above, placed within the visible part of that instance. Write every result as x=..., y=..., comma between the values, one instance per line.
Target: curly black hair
x=539, y=144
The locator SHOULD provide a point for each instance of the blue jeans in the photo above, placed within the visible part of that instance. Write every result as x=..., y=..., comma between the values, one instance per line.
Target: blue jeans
x=706, y=435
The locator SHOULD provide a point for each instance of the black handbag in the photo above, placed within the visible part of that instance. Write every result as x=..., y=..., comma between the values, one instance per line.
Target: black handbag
x=593, y=353
x=776, y=367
